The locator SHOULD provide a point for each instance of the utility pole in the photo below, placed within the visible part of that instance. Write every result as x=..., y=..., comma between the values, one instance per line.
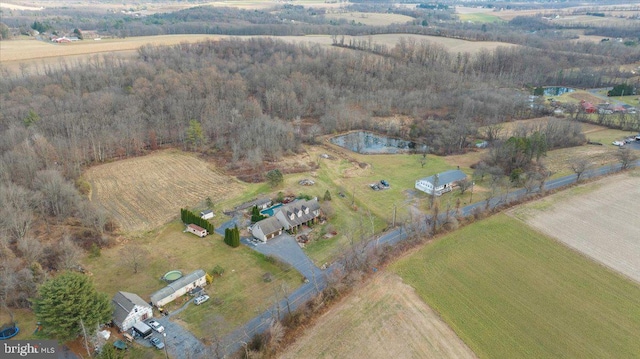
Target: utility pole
x=471, y=199
x=393, y=225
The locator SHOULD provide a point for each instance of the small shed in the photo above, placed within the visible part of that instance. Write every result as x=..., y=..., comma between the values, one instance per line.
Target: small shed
x=208, y=214
x=197, y=230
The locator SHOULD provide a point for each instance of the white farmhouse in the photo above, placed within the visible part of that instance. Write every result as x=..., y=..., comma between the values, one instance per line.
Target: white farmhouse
x=129, y=309
x=440, y=183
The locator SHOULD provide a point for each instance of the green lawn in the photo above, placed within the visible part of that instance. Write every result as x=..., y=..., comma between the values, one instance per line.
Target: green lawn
x=511, y=292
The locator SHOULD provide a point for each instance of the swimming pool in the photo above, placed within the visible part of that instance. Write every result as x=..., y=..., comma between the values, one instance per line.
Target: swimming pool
x=269, y=211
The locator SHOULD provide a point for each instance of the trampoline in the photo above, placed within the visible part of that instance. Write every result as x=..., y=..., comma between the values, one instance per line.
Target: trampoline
x=172, y=276
x=9, y=331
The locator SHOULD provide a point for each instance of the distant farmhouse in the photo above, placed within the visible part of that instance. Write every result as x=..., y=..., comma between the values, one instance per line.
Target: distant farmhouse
x=289, y=217
x=178, y=288
x=440, y=183
x=129, y=309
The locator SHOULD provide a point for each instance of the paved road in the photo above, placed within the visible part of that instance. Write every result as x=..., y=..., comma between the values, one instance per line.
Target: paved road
x=238, y=338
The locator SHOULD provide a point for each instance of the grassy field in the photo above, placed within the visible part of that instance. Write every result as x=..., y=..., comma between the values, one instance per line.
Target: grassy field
x=371, y=18
x=479, y=18
x=143, y=193
x=511, y=292
x=351, y=174
x=385, y=318
x=171, y=249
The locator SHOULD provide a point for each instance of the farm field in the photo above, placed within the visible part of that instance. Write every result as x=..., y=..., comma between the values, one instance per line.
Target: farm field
x=371, y=18
x=169, y=248
x=509, y=291
x=33, y=53
x=479, y=17
x=598, y=219
x=383, y=319
x=143, y=193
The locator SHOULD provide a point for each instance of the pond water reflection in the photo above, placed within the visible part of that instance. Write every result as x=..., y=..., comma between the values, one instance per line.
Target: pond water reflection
x=370, y=143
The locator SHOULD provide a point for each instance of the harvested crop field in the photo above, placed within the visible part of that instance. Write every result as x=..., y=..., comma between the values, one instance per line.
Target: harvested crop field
x=371, y=18
x=598, y=219
x=385, y=319
x=145, y=192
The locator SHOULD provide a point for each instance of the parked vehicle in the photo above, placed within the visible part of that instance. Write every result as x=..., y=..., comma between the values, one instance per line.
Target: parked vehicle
x=157, y=343
x=201, y=299
x=618, y=143
x=143, y=330
x=155, y=326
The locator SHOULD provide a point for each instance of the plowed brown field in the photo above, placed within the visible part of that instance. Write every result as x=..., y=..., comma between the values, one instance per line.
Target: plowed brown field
x=145, y=192
x=601, y=220
x=385, y=319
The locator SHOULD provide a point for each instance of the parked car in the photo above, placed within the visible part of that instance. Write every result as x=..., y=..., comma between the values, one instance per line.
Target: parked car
x=156, y=326
x=629, y=140
x=618, y=143
x=201, y=299
x=638, y=137
x=157, y=343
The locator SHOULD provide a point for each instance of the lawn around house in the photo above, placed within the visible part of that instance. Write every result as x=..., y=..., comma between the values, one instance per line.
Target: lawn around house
x=169, y=249
x=511, y=292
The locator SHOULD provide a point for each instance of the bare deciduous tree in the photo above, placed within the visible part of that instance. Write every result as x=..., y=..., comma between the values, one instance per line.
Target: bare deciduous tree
x=579, y=166
x=626, y=156
x=133, y=257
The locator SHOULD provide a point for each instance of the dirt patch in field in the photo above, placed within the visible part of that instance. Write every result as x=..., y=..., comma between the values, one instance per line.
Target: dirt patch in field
x=586, y=97
x=385, y=319
x=598, y=219
x=145, y=192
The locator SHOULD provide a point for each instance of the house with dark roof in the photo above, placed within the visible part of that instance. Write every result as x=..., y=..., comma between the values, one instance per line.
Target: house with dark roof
x=267, y=229
x=440, y=182
x=179, y=288
x=129, y=309
x=261, y=203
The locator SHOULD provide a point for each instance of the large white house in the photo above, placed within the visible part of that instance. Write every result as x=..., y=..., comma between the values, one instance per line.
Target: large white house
x=129, y=309
x=289, y=217
x=441, y=182
x=178, y=288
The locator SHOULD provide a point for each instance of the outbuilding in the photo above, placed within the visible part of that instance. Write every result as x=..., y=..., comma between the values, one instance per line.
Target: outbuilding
x=208, y=214
x=197, y=230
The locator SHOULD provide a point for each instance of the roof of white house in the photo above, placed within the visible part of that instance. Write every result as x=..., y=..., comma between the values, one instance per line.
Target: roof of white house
x=268, y=225
x=123, y=303
x=206, y=212
x=178, y=284
x=446, y=177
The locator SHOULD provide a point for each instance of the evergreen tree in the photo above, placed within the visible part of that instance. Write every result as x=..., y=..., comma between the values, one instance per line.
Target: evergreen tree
x=63, y=302
x=327, y=196
x=275, y=177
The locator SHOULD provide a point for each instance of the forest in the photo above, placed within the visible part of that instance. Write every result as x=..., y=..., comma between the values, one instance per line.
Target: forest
x=248, y=101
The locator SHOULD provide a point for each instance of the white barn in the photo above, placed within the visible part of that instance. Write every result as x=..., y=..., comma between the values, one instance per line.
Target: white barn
x=129, y=309
x=179, y=288
x=440, y=183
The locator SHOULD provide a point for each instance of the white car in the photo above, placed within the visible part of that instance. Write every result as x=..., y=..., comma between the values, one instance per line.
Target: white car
x=201, y=299
x=156, y=326
x=618, y=143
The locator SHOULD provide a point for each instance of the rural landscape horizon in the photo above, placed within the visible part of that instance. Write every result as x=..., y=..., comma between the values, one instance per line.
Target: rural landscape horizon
x=319, y=179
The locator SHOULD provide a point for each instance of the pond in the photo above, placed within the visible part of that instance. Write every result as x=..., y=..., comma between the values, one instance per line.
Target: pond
x=371, y=143
x=557, y=91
